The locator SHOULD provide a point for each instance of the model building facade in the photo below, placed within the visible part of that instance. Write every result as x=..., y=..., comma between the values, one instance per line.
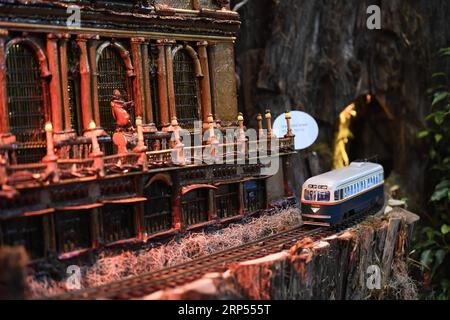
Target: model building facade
x=93, y=97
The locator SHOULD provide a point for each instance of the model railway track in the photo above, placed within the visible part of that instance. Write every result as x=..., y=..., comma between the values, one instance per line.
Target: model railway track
x=174, y=276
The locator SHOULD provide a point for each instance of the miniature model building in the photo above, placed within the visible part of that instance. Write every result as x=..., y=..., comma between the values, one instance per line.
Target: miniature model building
x=91, y=115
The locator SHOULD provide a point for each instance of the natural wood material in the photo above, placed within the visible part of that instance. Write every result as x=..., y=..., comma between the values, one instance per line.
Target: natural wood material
x=332, y=268
x=13, y=263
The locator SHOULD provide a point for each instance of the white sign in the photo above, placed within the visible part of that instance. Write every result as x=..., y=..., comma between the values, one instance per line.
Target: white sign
x=304, y=127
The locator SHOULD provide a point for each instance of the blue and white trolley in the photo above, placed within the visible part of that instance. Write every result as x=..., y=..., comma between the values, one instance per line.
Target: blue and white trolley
x=329, y=198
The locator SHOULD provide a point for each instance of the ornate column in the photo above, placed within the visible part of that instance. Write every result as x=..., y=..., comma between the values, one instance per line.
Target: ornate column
x=170, y=85
x=260, y=126
x=288, y=173
x=94, y=88
x=85, y=75
x=162, y=84
x=148, y=106
x=287, y=116
x=55, y=82
x=3, y=95
x=136, y=55
x=51, y=160
x=65, y=81
x=205, y=81
x=269, y=124
x=96, y=153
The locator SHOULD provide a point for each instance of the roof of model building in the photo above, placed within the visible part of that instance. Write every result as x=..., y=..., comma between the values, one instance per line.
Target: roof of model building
x=140, y=16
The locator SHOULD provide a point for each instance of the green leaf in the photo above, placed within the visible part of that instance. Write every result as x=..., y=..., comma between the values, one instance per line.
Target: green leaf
x=443, y=184
x=445, y=229
x=426, y=258
x=423, y=134
x=439, y=74
x=439, y=96
x=433, y=153
x=431, y=233
x=440, y=194
x=438, y=137
x=440, y=256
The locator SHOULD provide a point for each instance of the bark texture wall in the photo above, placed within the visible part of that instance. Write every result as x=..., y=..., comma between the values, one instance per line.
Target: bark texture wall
x=319, y=56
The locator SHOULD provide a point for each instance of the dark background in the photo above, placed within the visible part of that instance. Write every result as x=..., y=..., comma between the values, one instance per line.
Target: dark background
x=318, y=56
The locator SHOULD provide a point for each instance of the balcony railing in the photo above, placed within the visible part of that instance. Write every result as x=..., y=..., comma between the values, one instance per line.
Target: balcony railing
x=81, y=157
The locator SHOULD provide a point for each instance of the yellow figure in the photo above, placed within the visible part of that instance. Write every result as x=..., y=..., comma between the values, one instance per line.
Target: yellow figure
x=340, y=157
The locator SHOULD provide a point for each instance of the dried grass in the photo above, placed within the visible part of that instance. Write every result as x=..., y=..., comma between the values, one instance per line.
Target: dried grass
x=401, y=286
x=109, y=268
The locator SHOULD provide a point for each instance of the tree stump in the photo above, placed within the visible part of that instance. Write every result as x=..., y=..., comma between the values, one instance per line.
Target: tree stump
x=363, y=262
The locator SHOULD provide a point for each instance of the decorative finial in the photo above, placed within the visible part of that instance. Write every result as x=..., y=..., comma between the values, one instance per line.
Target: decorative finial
x=48, y=127
x=174, y=122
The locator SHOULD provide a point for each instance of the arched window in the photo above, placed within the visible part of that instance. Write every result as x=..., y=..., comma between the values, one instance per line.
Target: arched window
x=227, y=201
x=185, y=85
x=194, y=207
x=74, y=92
x=254, y=196
x=117, y=222
x=112, y=74
x=26, y=110
x=158, y=208
x=153, y=76
x=24, y=231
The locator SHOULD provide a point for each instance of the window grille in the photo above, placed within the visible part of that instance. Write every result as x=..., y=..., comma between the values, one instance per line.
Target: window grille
x=118, y=222
x=185, y=84
x=25, y=103
x=153, y=68
x=72, y=231
x=194, y=207
x=112, y=75
x=254, y=196
x=158, y=208
x=26, y=231
x=227, y=201
x=73, y=58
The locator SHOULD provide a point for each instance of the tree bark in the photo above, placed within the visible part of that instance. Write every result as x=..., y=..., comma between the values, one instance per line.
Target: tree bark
x=319, y=56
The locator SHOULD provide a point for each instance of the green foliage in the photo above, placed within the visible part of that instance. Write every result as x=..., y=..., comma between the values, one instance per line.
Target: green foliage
x=433, y=249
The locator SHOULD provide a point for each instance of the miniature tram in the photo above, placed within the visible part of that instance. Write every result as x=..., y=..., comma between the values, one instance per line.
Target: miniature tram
x=334, y=196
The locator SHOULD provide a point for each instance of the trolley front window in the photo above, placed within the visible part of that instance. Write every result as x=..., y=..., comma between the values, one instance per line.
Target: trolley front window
x=313, y=195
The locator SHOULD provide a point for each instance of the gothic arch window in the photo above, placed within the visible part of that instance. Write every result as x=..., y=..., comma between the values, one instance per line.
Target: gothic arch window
x=153, y=76
x=254, y=196
x=186, y=88
x=74, y=87
x=158, y=207
x=194, y=207
x=112, y=74
x=227, y=200
x=26, y=101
